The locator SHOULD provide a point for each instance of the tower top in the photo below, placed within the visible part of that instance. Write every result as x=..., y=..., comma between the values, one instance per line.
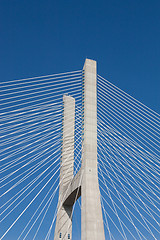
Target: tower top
x=90, y=66
x=90, y=62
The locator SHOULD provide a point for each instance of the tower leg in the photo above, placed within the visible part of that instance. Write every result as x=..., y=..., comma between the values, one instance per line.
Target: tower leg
x=91, y=213
x=63, y=229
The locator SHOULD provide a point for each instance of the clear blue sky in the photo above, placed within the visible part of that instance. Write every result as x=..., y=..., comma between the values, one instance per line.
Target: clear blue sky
x=44, y=36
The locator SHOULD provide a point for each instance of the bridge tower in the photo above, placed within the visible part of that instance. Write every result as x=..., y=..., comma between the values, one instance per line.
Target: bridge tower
x=85, y=182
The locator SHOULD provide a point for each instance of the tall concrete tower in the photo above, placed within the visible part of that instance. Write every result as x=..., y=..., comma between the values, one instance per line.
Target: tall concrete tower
x=91, y=213
x=85, y=182
x=63, y=228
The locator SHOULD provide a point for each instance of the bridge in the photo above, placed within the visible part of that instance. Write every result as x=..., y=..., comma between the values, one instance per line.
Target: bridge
x=79, y=160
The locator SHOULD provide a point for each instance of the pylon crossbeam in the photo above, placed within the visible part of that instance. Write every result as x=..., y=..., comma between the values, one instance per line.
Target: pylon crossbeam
x=73, y=192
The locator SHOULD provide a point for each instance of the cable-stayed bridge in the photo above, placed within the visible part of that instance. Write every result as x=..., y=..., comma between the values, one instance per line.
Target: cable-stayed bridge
x=32, y=112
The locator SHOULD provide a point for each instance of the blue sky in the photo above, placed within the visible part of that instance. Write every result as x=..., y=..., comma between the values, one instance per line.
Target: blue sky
x=44, y=36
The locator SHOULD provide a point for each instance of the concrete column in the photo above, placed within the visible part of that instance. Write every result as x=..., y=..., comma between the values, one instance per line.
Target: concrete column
x=91, y=213
x=63, y=228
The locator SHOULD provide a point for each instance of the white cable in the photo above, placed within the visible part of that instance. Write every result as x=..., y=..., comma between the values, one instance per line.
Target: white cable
x=38, y=164
x=145, y=152
x=30, y=88
x=25, y=209
x=33, y=91
x=126, y=102
x=52, y=139
x=130, y=219
x=30, y=169
x=132, y=98
x=24, y=189
x=133, y=145
x=29, y=118
x=37, y=94
x=22, y=178
x=39, y=215
x=127, y=171
x=29, y=110
x=126, y=149
x=128, y=188
x=117, y=215
x=106, y=218
x=131, y=199
x=33, y=188
x=50, y=199
x=127, y=180
x=113, y=113
x=71, y=92
x=32, y=143
x=32, y=128
x=114, y=213
x=117, y=123
x=127, y=106
x=39, y=77
x=123, y=212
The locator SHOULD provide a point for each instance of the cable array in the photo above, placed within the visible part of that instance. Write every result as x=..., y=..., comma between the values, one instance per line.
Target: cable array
x=30, y=149
x=30, y=142
x=128, y=165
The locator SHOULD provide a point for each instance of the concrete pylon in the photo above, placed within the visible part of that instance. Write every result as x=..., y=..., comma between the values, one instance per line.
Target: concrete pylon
x=85, y=182
x=91, y=213
x=63, y=228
